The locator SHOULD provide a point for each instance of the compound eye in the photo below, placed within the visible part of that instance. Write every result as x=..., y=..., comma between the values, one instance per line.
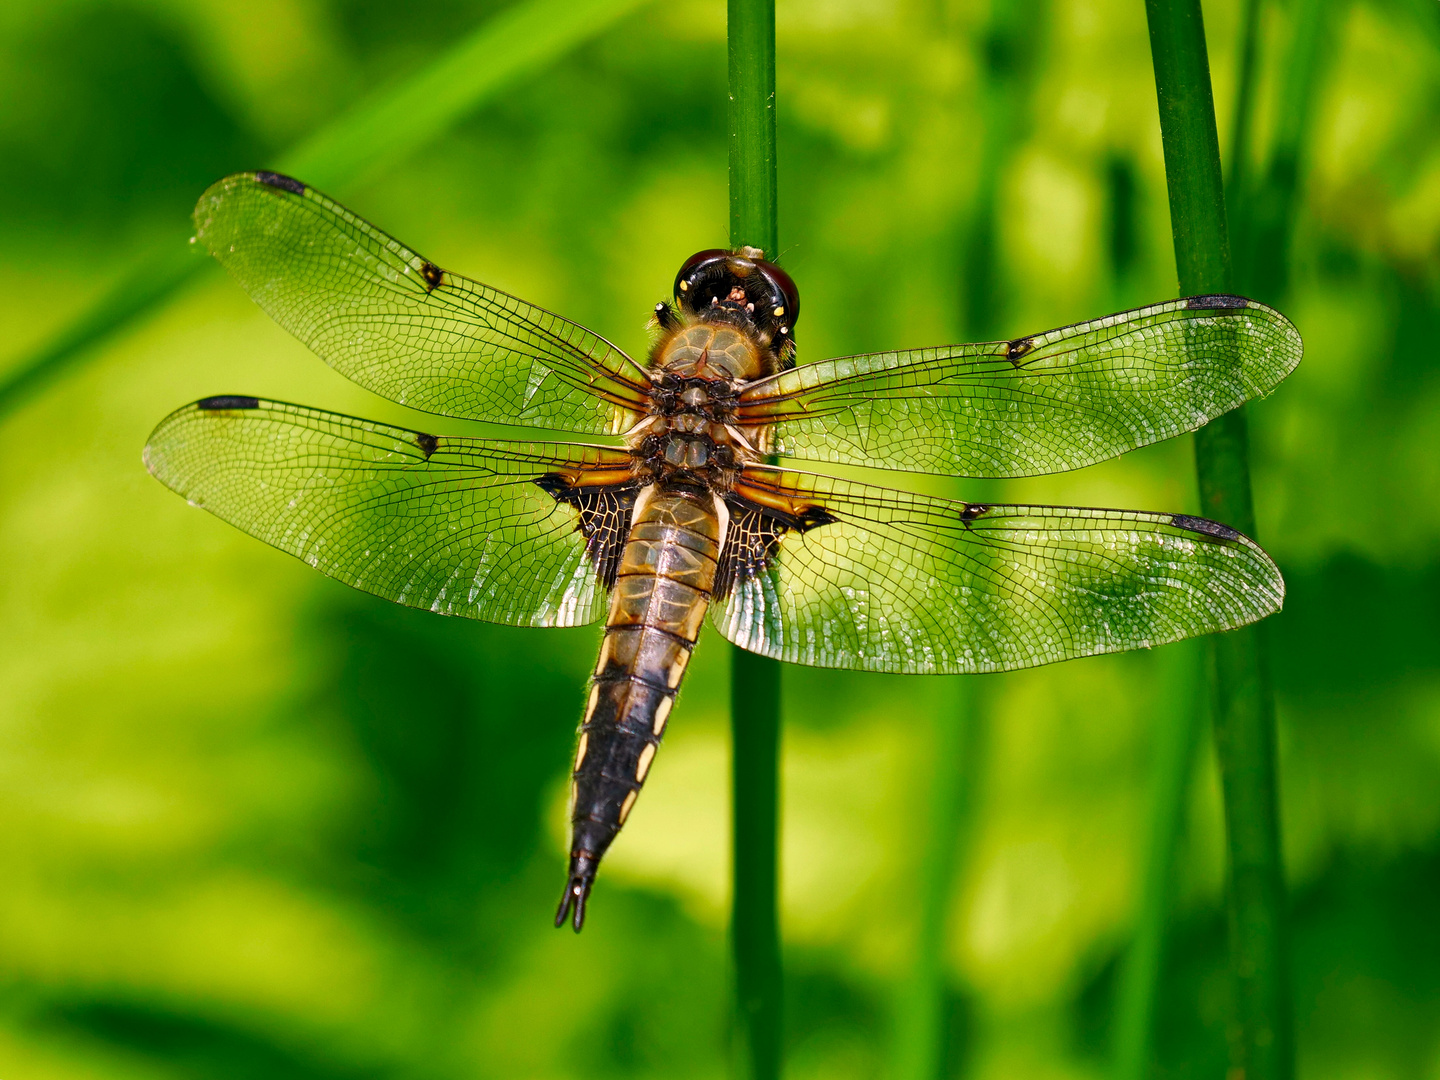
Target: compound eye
x=785, y=286
x=694, y=271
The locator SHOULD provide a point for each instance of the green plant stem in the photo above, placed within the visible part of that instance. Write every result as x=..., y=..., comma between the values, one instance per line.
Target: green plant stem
x=755, y=680
x=376, y=134
x=755, y=858
x=1262, y=263
x=753, y=198
x=1179, y=715
x=1242, y=699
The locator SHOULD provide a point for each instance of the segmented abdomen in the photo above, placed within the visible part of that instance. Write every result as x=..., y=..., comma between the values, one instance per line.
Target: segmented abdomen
x=662, y=590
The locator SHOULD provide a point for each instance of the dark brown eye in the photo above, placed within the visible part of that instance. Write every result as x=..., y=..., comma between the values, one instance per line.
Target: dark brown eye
x=711, y=278
x=785, y=286
x=695, y=271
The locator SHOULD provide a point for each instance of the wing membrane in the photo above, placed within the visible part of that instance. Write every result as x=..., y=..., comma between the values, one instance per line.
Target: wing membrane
x=1048, y=403
x=847, y=575
x=395, y=323
x=459, y=526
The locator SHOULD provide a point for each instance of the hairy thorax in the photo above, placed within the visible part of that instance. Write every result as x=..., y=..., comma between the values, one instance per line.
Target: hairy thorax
x=690, y=437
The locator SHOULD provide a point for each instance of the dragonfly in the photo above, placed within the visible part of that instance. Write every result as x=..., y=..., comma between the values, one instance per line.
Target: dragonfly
x=680, y=508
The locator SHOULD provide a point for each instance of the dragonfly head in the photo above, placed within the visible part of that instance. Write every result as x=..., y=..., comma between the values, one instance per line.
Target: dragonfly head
x=740, y=284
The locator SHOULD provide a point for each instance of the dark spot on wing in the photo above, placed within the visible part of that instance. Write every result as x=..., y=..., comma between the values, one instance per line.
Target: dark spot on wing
x=1019, y=347
x=604, y=512
x=1216, y=300
x=1205, y=527
x=432, y=274
x=754, y=537
x=280, y=180
x=973, y=511
x=227, y=401
x=428, y=443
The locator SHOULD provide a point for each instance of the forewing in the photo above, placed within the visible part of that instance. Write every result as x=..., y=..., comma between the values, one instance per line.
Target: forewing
x=1048, y=403
x=397, y=324
x=506, y=532
x=833, y=574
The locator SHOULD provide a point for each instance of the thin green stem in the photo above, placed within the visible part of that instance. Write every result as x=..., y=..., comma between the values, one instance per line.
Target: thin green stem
x=1179, y=710
x=755, y=680
x=753, y=199
x=755, y=855
x=1242, y=698
x=1262, y=264
x=378, y=132
x=1191, y=145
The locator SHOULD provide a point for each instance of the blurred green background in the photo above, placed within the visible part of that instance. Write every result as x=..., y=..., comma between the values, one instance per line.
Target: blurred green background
x=253, y=824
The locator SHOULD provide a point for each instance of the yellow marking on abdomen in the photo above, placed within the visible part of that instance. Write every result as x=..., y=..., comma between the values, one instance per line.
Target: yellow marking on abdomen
x=643, y=765
x=662, y=713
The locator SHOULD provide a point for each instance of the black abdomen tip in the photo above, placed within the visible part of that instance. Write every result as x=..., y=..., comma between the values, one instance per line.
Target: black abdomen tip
x=577, y=890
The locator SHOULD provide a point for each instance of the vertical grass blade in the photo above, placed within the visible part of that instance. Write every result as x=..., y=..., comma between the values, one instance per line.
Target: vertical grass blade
x=378, y=132
x=754, y=680
x=1243, y=705
x=755, y=861
x=1267, y=206
x=753, y=199
x=1178, y=713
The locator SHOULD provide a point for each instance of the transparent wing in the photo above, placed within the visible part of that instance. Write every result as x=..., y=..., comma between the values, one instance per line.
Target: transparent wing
x=458, y=526
x=834, y=574
x=1048, y=403
x=397, y=324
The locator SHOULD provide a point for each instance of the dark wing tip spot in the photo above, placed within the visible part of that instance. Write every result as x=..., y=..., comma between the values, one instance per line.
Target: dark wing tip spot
x=432, y=274
x=280, y=180
x=1019, y=348
x=1211, y=301
x=1205, y=527
x=227, y=401
x=973, y=511
x=428, y=444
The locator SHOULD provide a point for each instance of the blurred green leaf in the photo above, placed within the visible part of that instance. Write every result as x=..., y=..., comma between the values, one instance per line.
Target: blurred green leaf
x=257, y=824
x=385, y=129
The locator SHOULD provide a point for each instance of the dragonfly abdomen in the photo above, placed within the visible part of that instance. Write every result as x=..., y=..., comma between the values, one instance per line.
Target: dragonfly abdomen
x=663, y=587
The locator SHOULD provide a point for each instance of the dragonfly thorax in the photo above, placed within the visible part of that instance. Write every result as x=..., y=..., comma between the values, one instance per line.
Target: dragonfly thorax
x=710, y=350
x=688, y=438
x=689, y=451
x=678, y=396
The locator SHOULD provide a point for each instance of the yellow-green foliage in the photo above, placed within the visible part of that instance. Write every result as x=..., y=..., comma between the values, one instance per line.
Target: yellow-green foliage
x=254, y=824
